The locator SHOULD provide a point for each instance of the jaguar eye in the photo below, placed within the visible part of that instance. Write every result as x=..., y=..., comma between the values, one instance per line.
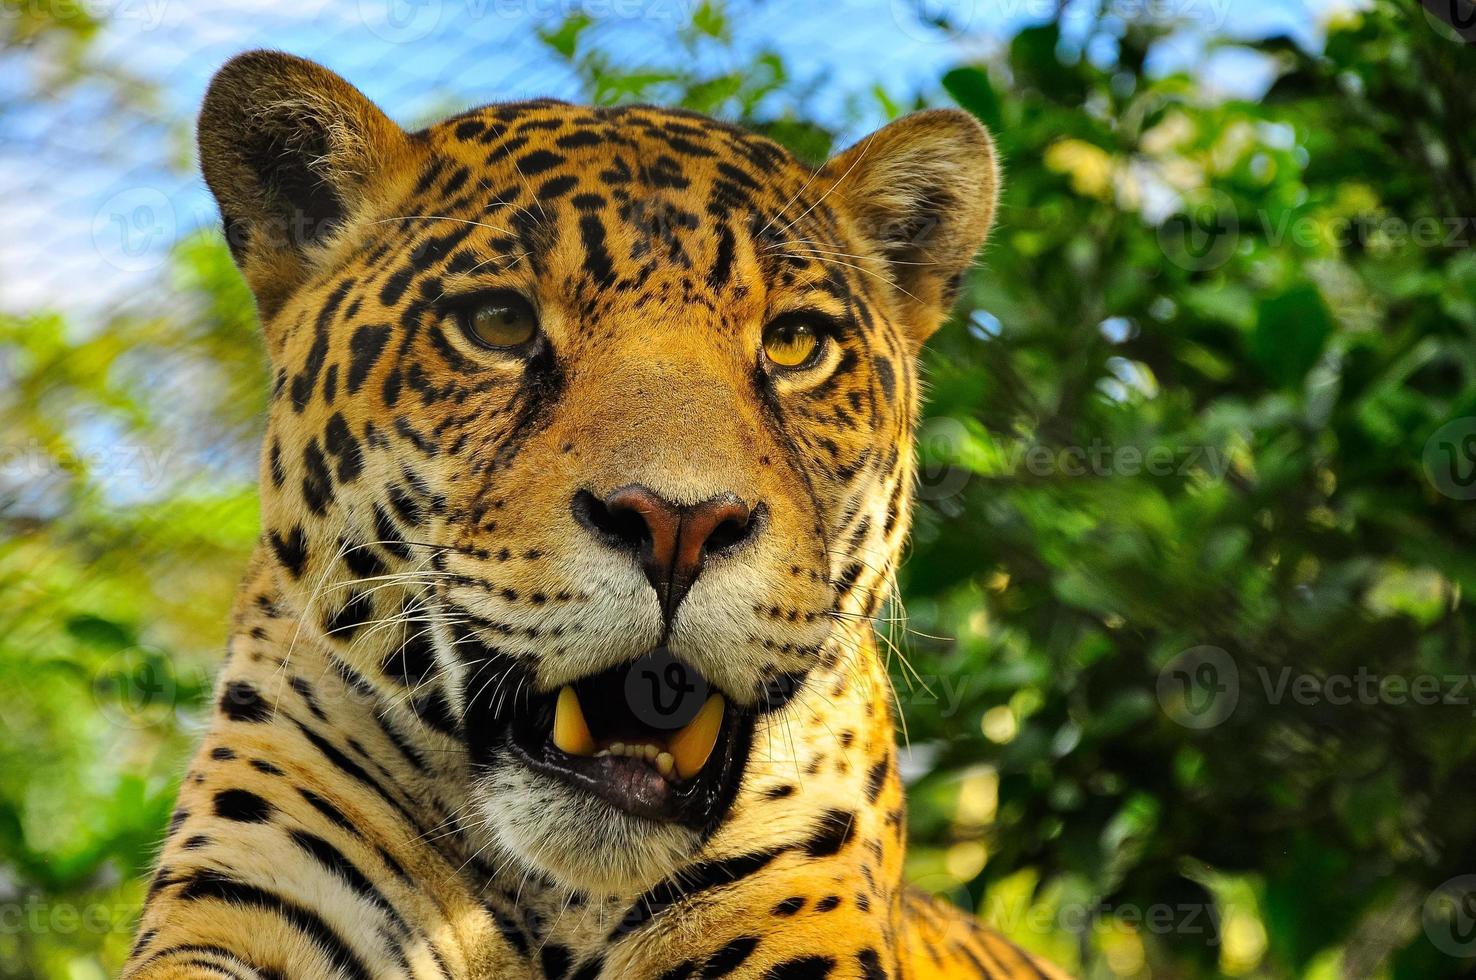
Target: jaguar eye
x=499, y=322
x=792, y=343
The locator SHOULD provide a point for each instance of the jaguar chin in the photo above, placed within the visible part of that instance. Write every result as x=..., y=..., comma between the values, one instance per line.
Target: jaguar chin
x=616, y=779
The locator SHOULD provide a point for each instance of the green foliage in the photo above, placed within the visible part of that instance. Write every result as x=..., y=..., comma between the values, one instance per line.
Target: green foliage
x=1286, y=338
x=1186, y=428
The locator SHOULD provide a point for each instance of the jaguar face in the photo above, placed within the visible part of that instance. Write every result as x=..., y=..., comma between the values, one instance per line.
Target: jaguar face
x=591, y=427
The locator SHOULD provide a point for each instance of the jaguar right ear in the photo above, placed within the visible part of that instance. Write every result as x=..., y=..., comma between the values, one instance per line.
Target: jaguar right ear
x=293, y=154
x=923, y=191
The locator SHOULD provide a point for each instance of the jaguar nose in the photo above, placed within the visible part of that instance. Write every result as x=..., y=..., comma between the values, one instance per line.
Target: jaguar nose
x=671, y=540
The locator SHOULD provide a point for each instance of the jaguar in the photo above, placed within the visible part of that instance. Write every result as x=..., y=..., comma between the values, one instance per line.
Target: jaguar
x=587, y=466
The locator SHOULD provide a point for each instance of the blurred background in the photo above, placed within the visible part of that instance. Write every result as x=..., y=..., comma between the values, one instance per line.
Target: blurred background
x=1187, y=676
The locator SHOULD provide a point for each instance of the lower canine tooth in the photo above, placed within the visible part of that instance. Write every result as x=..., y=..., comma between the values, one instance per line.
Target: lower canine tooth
x=691, y=747
x=570, y=730
x=665, y=764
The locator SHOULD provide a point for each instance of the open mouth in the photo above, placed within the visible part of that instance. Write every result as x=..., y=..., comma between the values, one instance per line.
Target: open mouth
x=652, y=738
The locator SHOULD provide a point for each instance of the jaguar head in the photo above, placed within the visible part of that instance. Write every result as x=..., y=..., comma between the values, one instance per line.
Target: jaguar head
x=591, y=433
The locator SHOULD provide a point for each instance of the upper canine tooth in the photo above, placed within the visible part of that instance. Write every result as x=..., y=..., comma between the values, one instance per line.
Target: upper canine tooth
x=692, y=746
x=570, y=730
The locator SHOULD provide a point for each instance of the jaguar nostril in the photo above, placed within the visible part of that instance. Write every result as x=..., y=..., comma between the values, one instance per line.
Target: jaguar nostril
x=735, y=529
x=621, y=526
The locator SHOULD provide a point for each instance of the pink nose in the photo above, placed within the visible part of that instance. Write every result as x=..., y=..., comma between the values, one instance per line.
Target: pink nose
x=672, y=540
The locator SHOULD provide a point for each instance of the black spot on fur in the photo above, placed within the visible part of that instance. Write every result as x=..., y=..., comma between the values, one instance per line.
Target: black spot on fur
x=832, y=834
x=357, y=611
x=557, y=187
x=241, y=702
x=365, y=346
x=537, y=162
x=876, y=777
x=801, y=968
x=394, y=287
x=290, y=550
x=243, y=806
x=555, y=960
x=730, y=957
x=886, y=378
x=317, y=482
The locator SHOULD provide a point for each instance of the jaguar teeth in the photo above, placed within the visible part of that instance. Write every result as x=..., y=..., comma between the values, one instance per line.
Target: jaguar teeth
x=692, y=746
x=683, y=756
x=641, y=750
x=570, y=730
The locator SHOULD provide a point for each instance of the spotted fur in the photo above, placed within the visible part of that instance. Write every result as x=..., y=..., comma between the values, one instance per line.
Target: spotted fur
x=352, y=812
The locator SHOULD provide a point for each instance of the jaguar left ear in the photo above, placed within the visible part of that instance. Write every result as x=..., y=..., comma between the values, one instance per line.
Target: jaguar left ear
x=922, y=191
x=293, y=154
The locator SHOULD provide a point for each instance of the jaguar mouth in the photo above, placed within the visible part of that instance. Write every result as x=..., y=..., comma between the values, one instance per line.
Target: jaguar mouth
x=652, y=738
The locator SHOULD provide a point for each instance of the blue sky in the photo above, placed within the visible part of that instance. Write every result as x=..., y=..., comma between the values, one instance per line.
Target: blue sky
x=97, y=191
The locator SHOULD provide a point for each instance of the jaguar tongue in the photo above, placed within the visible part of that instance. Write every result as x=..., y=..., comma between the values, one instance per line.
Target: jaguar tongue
x=691, y=747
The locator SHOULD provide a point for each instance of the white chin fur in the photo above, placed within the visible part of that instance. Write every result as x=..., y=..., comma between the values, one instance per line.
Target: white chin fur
x=581, y=842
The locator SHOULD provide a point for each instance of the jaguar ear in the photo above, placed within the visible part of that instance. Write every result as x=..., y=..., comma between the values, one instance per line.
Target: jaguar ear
x=293, y=154
x=922, y=191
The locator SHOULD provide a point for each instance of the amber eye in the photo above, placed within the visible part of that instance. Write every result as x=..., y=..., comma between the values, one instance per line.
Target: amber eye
x=792, y=342
x=500, y=322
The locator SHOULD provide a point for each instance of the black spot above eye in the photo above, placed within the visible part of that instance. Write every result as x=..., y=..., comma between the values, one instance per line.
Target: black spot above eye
x=394, y=287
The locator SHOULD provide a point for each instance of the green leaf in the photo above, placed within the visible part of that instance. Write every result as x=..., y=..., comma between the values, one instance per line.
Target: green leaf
x=1290, y=332
x=565, y=38
x=972, y=90
x=101, y=633
x=710, y=19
